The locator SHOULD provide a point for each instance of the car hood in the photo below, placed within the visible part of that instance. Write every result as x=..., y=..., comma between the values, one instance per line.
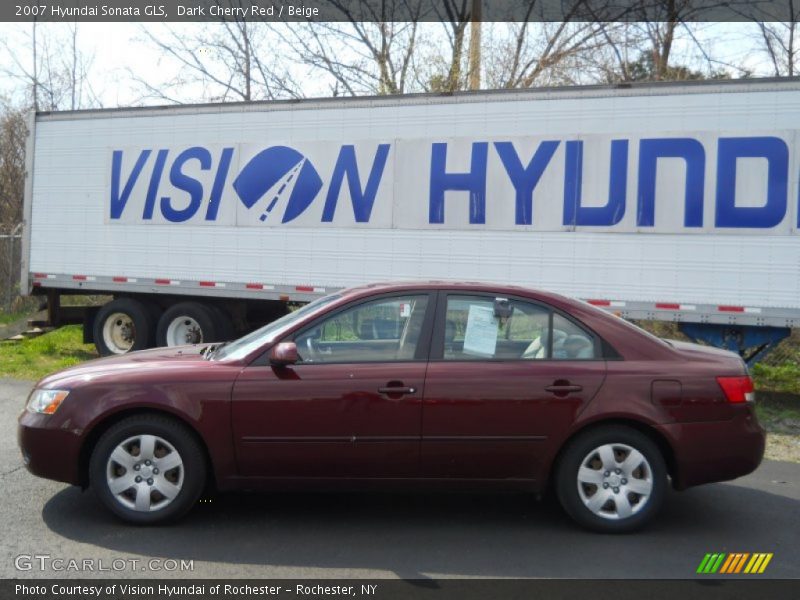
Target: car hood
x=134, y=365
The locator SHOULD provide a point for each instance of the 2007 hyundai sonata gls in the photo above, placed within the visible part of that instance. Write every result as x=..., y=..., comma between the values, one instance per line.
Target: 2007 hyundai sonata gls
x=426, y=382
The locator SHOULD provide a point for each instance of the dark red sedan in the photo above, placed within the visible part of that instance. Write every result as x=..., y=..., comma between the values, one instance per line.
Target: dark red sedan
x=423, y=383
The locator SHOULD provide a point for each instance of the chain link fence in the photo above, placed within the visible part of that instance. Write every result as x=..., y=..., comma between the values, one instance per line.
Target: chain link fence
x=10, y=261
x=786, y=352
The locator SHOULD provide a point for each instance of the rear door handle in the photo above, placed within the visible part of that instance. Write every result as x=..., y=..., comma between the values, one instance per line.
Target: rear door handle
x=563, y=389
x=397, y=390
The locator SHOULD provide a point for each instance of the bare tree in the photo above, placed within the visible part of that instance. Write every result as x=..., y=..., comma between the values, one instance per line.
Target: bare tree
x=780, y=37
x=229, y=60
x=531, y=53
x=641, y=42
x=456, y=17
x=370, y=52
x=49, y=63
x=528, y=51
x=13, y=132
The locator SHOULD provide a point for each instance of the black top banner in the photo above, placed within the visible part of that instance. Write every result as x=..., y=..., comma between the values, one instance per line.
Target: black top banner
x=397, y=10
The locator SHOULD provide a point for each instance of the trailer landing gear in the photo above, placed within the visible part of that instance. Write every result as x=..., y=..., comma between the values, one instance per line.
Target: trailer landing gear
x=750, y=342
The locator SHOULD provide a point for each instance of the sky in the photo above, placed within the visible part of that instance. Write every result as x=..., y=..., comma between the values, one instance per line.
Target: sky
x=119, y=49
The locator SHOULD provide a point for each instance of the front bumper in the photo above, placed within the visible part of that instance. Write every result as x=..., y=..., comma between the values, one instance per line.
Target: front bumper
x=706, y=452
x=50, y=449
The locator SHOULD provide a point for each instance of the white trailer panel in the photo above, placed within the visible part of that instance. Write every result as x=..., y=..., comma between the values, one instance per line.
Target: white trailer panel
x=301, y=197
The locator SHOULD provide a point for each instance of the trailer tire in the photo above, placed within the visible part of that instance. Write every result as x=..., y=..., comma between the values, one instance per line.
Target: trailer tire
x=187, y=323
x=123, y=325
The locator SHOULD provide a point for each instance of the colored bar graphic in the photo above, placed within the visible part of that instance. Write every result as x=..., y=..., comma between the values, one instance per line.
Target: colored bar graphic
x=701, y=568
x=717, y=563
x=727, y=566
x=734, y=563
x=754, y=563
x=764, y=564
x=704, y=563
x=740, y=564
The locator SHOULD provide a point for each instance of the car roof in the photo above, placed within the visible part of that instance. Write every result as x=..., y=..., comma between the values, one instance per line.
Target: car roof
x=467, y=286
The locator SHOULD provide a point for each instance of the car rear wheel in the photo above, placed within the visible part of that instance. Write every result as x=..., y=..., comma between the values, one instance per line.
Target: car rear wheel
x=612, y=479
x=148, y=469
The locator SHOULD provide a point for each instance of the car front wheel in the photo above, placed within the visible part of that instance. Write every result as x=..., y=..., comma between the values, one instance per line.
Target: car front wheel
x=148, y=469
x=612, y=479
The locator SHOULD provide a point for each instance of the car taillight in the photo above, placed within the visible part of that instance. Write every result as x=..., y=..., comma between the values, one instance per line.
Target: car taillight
x=737, y=389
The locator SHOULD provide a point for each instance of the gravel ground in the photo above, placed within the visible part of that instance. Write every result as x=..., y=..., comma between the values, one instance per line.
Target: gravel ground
x=783, y=446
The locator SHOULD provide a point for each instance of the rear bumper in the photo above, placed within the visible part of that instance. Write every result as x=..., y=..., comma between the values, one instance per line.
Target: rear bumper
x=48, y=450
x=706, y=452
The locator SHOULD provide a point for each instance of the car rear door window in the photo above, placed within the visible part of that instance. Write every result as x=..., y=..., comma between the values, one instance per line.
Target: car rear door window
x=472, y=331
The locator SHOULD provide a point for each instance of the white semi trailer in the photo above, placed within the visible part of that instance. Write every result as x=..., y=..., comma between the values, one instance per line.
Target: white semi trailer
x=671, y=201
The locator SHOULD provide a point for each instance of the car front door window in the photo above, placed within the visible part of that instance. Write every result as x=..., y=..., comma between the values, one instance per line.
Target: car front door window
x=384, y=330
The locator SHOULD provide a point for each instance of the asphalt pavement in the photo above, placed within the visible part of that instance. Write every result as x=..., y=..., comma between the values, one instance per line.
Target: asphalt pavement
x=382, y=535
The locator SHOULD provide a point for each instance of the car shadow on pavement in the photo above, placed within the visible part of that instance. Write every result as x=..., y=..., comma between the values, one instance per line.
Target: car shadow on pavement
x=415, y=535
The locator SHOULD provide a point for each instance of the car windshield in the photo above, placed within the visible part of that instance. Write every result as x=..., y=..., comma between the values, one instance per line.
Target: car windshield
x=245, y=345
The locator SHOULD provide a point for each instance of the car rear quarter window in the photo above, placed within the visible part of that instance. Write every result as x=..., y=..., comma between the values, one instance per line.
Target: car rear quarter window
x=571, y=342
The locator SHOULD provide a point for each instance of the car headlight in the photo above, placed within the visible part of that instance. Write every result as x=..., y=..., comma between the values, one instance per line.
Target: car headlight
x=46, y=401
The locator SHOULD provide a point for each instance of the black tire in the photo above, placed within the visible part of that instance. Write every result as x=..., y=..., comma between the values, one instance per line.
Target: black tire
x=579, y=449
x=117, y=317
x=193, y=467
x=203, y=316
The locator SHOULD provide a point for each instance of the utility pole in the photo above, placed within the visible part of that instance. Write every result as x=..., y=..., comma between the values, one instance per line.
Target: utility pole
x=35, y=71
x=475, y=46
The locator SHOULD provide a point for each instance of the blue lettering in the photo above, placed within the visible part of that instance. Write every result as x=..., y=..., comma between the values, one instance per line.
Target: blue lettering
x=155, y=180
x=612, y=212
x=118, y=201
x=188, y=184
x=473, y=182
x=219, y=182
x=524, y=179
x=362, y=200
x=691, y=151
x=777, y=154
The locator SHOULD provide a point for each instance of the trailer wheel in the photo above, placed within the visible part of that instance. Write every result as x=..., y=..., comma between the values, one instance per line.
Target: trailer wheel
x=187, y=323
x=122, y=325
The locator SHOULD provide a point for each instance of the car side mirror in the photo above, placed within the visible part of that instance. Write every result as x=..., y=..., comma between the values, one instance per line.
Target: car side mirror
x=284, y=354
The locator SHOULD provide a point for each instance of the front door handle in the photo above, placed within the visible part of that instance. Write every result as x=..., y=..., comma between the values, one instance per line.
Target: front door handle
x=563, y=390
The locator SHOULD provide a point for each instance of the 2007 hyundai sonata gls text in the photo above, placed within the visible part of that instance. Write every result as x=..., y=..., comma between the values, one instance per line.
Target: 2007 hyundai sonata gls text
x=407, y=383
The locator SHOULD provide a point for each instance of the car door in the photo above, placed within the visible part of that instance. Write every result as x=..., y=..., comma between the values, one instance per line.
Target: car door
x=499, y=388
x=351, y=406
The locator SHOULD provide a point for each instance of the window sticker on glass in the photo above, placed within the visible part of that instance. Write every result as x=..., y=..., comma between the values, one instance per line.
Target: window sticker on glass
x=405, y=310
x=480, y=338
